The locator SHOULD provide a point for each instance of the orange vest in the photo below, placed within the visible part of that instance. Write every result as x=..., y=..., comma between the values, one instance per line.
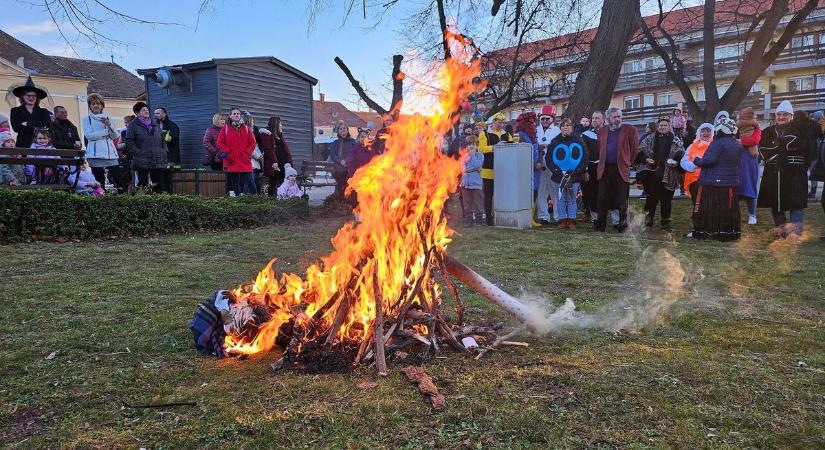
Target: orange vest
x=697, y=149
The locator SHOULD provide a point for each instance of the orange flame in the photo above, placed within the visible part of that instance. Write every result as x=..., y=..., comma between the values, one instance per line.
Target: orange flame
x=401, y=197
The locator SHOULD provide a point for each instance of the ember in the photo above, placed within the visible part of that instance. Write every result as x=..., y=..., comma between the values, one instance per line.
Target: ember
x=378, y=291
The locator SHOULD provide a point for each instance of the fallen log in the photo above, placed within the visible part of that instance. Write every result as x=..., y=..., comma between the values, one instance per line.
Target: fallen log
x=491, y=292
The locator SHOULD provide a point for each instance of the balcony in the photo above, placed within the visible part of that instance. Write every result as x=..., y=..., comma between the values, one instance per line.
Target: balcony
x=811, y=100
x=645, y=114
x=790, y=58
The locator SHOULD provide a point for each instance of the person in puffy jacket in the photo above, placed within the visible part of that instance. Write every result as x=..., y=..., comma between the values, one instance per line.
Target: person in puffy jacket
x=210, y=142
x=568, y=173
x=144, y=142
x=657, y=168
x=236, y=142
x=100, y=135
x=696, y=149
x=716, y=206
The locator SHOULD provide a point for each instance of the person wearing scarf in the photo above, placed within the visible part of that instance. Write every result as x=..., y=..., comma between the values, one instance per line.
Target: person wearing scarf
x=144, y=142
x=236, y=143
x=657, y=168
x=338, y=152
x=716, y=206
x=100, y=134
x=786, y=147
x=696, y=150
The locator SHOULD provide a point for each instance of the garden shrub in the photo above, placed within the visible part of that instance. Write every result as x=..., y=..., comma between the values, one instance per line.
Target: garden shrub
x=49, y=215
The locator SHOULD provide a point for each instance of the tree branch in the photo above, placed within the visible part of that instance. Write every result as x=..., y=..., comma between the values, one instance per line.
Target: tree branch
x=359, y=89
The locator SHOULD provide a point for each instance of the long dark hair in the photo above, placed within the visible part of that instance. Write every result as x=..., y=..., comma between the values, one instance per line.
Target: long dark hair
x=274, y=124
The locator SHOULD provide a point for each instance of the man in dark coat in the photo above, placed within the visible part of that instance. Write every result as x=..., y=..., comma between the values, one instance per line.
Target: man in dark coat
x=171, y=134
x=64, y=133
x=786, y=148
x=29, y=116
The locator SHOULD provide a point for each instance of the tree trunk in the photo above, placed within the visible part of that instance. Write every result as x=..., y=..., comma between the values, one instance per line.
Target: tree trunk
x=597, y=78
x=708, y=67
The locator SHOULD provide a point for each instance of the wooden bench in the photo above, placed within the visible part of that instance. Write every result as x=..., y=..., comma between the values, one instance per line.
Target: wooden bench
x=310, y=170
x=41, y=158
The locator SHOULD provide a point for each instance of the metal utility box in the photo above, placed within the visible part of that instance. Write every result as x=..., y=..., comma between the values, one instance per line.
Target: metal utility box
x=513, y=192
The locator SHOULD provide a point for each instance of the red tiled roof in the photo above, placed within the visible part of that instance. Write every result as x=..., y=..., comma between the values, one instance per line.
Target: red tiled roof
x=675, y=22
x=328, y=113
x=107, y=78
x=11, y=49
x=371, y=116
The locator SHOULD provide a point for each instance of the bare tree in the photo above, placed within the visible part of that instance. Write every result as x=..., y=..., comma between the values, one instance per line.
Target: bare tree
x=755, y=23
x=599, y=74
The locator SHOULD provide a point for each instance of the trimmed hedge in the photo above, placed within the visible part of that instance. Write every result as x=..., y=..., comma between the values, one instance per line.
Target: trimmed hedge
x=47, y=215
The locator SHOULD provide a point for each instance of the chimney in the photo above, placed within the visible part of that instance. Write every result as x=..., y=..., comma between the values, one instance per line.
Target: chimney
x=20, y=62
x=321, y=95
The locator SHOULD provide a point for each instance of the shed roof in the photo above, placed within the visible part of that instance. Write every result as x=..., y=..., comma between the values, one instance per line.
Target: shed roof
x=217, y=61
x=107, y=78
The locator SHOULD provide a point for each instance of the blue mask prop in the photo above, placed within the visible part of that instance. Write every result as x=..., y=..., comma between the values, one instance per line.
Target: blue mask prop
x=567, y=157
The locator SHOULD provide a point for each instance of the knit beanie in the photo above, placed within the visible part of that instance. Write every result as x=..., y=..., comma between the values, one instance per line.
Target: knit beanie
x=5, y=136
x=785, y=107
x=703, y=126
x=727, y=126
x=289, y=171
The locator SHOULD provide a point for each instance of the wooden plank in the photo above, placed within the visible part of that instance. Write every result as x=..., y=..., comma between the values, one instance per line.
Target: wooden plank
x=39, y=161
x=42, y=152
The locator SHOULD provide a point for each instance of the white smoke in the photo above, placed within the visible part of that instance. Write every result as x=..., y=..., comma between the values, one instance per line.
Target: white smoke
x=661, y=281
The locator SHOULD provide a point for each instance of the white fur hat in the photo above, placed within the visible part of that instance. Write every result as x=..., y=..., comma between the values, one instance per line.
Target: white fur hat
x=289, y=171
x=727, y=126
x=785, y=107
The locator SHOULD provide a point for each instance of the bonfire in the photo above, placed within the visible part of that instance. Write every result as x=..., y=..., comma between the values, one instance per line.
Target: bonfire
x=381, y=289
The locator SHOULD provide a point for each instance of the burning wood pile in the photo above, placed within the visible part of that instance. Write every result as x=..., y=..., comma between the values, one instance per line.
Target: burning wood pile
x=380, y=292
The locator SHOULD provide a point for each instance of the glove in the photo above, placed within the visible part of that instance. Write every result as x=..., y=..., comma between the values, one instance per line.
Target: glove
x=671, y=162
x=222, y=155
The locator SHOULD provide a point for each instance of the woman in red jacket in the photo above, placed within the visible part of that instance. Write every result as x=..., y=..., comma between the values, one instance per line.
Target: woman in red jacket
x=236, y=142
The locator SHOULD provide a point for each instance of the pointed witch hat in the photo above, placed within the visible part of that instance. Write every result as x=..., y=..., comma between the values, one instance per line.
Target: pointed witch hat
x=19, y=91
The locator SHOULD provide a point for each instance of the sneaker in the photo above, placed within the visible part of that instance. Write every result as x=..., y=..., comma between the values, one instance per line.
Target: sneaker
x=563, y=224
x=571, y=224
x=544, y=222
x=751, y=219
x=689, y=235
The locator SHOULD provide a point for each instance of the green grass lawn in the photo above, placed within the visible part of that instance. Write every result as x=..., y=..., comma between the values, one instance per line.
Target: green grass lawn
x=739, y=361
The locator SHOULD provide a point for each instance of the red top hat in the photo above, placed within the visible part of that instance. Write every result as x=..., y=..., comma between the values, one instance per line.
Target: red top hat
x=548, y=111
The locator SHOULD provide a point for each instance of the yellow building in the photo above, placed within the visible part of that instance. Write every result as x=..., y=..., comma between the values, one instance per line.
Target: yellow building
x=645, y=93
x=68, y=80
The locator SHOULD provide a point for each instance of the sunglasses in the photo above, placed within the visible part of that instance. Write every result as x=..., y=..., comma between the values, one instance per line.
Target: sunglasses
x=545, y=120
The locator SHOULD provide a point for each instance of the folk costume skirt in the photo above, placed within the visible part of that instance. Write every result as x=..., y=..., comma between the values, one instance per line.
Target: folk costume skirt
x=716, y=213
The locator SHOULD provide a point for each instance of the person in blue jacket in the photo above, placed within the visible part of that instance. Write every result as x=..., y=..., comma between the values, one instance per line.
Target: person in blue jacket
x=716, y=210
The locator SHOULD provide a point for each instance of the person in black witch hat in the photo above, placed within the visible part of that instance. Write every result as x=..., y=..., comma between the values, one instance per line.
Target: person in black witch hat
x=29, y=115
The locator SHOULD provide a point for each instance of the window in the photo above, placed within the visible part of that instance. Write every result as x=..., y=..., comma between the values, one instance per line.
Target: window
x=666, y=98
x=820, y=81
x=757, y=87
x=728, y=51
x=514, y=114
x=801, y=83
x=720, y=89
x=647, y=100
x=631, y=102
x=806, y=40
x=540, y=82
x=571, y=77
x=641, y=65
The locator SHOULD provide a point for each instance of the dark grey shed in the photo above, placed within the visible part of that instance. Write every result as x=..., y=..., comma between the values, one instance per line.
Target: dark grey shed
x=265, y=86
